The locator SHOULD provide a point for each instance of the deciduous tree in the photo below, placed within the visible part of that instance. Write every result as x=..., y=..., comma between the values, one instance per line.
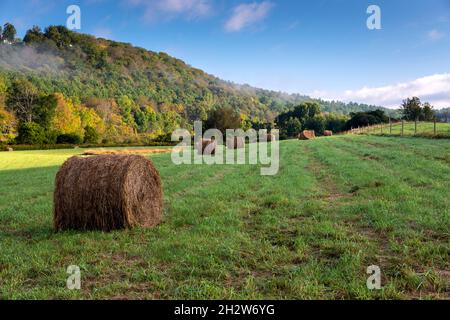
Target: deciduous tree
x=9, y=32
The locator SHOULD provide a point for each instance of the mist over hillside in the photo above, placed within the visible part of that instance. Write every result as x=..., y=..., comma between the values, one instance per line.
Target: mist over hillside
x=81, y=66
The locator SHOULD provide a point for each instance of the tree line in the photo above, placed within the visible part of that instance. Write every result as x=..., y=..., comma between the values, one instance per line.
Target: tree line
x=308, y=116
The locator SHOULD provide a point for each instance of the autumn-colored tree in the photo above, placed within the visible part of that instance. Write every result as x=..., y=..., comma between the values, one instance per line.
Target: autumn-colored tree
x=66, y=120
x=103, y=107
x=22, y=99
x=8, y=125
x=127, y=108
x=117, y=131
x=89, y=118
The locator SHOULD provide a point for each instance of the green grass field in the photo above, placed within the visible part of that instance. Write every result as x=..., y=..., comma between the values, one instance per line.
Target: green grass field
x=337, y=206
x=425, y=129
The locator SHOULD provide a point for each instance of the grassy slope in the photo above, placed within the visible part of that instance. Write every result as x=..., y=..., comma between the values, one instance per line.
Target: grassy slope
x=338, y=205
x=423, y=128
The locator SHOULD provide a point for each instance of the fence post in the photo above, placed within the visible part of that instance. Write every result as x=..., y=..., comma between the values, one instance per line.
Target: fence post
x=415, y=127
x=390, y=125
x=403, y=127
x=435, y=126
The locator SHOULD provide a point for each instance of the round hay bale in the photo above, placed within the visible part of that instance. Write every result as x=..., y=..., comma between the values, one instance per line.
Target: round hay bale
x=236, y=143
x=207, y=147
x=107, y=192
x=270, y=137
x=9, y=149
x=328, y=133
x=307, y=135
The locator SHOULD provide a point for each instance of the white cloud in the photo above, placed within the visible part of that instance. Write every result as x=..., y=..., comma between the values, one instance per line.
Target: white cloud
x=247, y=14
x=293, y=25
x=434, y=89
x=435, y=35
x=167, y=9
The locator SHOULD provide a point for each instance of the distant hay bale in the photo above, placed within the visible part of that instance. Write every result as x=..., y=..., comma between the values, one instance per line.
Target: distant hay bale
x=9, y=149
x=107, y=192
x=328, y=133
x=206, y=147
x=270, y=137
x=236, y=143
x=307, y=135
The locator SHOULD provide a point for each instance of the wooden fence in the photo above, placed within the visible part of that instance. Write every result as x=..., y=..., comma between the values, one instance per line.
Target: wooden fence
x=404, y=128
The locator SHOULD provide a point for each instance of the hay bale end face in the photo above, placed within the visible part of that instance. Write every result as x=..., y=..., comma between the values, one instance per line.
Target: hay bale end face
x=271, y=138
x=328, y=133
x=236, y=143
x=207, y=147
x=107, y=192
x=307, y=135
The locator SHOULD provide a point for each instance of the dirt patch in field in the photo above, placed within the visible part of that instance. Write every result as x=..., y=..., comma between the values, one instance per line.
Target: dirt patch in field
x=119, y=272
x=332, y=193
x=129, y=151
x=445, y=159
x=369, y=156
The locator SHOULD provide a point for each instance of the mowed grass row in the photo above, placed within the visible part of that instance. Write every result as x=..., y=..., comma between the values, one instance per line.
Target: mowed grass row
x=337, y=206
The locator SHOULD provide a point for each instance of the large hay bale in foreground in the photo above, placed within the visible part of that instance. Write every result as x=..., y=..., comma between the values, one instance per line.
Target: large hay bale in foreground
x=206, y=147
x=328, y=133
x=236, y=143
x=107, y=192
x=307, y=135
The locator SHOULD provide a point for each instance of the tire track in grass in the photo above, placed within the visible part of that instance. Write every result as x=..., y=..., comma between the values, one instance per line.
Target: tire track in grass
x=325, y=255
x=277, y=254
x=432, y=275
x=384, y=173
x=342, y=147
x=270, y=239
x=231, y=186
x=372, y=244
x=438, y=181
x=380, y=247
x=423, y=174
x=412, y=148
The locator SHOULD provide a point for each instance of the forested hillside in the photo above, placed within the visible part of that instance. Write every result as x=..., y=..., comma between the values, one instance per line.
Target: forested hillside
x=70, y=83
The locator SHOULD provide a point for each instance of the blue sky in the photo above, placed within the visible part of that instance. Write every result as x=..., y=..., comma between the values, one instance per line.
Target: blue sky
x=322, y=48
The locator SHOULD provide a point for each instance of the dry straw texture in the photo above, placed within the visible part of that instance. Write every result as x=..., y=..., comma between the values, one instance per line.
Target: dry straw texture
x=206, y=147
x=307, y=135
x=328, y=133
x=107, y=192
x=235, y=143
